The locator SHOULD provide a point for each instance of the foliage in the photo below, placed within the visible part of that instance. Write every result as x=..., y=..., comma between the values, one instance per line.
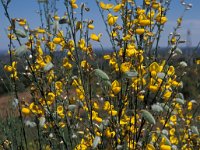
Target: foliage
x=133, y=103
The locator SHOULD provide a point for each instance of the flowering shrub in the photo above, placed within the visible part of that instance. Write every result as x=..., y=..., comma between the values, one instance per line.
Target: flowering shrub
x=134, y=103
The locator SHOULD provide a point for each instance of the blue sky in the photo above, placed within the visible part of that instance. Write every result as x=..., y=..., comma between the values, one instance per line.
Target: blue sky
x=28, y=8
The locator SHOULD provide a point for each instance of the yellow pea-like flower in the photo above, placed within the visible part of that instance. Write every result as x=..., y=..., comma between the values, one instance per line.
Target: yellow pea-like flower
x=150, y=147
x=171, y=70
x=161, y=19
x=112, y=112
x=91, y=26
x=57, y=40
x=40, y=30
x=154, y=67
x=116, y=88
x=26, y=111
x=73, y=4
x=107, y=105
x=22, y=22
x=98, y=119
x=165, y=147
x=125, y=67
x=105, y=6
x=155, y=5
x=167, y=95
x=117, y=7
x=95, y=37
x=8, y=68
x=153, y=88
x=145, y=22
x=111, y=19
x=56, y=17
x=147, y=2
x=60, y=109
x=78, y=25
x=81, y=43
x=140, y=31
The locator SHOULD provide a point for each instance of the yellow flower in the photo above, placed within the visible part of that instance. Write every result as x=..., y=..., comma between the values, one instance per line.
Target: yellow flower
x=155, y=5
x=85, y=64
x=161, y=20
x=66, y=63
x=150, y=147
x=189, y=105
x=173, y=118
x=58, y=85
x=57, y=40
x=73, y=4
x=60, y=109
x=111, y=19
x=165, y=147
x=95, y=37
x=22, y=22
x=98, y=119
x=106, y=57
x=107, y=105
x=154, y=68
x=117, y=7
x=26, y=111
x=116, y=88
x=112, y=112
x=105, y=6
x=173, y=140
x=81, y=43
x=145, y=22
x=56, y=17
x=8, y=68
x=125, y=67
x=12, y=36
x=171, y=70
x=40, y=30
x=172, y=131
x=167, y=95
x=109, y=134
x=147, y=2
x=51, y=46
x=153, y=88
x=198, y=62
x=78, y=25
x=139, y=31
x=50, y=98
x=90, y=26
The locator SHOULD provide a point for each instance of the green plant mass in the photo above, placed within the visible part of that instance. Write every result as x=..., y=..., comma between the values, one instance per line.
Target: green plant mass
x=81, y=98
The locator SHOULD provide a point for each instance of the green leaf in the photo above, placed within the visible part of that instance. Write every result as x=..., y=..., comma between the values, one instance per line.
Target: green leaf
x=20, y=33
x=178, y=51
x=180, y=101
x=148, y=116
x=131, y=74
x=42, y=121
x=194, y=130
x=180, y=95
x=161, y=75
x=107, y=82
x=48, y=66
x=101, y=74
x=71, y=107
x=96, y=142
x=20, y=51
x=165, y=106
x=157, y=108
x=167, y=141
